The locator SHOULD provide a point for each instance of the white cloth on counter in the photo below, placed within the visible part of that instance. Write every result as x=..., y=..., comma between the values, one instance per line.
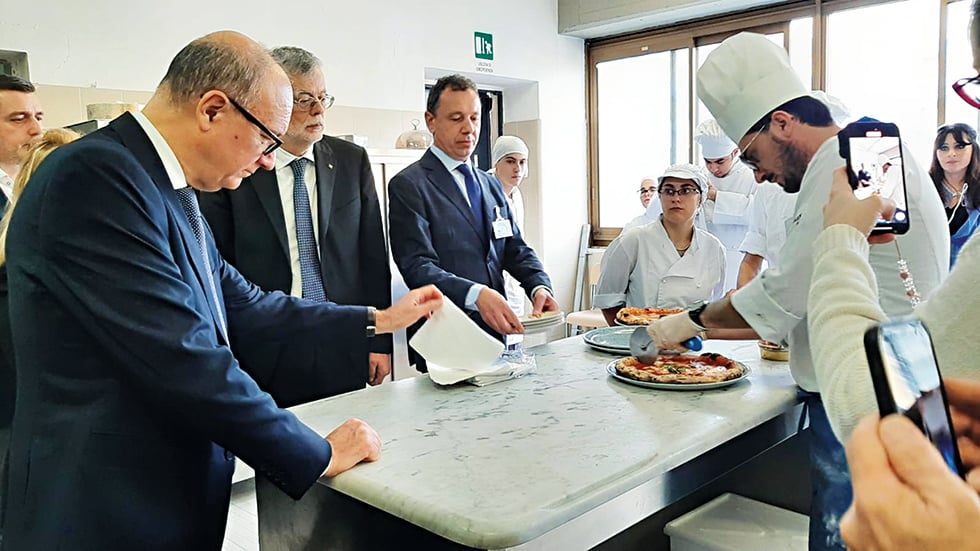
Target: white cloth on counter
x=641, y=268
x=770, y=212
x=454, y=346
x=775, y=303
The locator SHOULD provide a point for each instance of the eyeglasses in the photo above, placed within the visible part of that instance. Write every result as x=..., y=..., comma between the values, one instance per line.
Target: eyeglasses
x=749, y=161
x=683, y=192
x=276, y=142
x=969, y=89
x=646, y=190
x=308, y=101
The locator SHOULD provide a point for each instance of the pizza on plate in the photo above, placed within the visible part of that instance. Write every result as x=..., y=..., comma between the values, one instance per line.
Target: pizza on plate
x=682, y=369
x=643, y=316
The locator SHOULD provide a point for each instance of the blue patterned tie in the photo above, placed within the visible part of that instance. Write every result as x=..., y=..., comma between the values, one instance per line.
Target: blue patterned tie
x=309, y=260
x=189, y=202
x=476, y=198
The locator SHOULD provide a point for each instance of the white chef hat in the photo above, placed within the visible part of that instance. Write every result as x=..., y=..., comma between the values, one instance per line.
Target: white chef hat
x=838, y=111
x=686, y=171
x=505, y=145
x=745, y=78
x=714, y=143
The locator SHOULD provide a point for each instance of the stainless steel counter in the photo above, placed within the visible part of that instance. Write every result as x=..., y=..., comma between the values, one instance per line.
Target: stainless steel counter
x=560, y=459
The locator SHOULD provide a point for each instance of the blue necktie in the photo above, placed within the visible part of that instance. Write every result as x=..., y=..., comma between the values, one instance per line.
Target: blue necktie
x=309, y=260
x=476, y=198
x=189, y=202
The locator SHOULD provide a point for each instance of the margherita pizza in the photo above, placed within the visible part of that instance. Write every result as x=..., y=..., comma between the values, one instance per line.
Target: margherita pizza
x=643, y=316
x=681, y=369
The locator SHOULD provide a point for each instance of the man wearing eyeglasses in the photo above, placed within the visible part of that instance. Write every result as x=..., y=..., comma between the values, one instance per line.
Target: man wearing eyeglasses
x=651, y=208
x=131, y=406
x=311, y=228
x=788, y=137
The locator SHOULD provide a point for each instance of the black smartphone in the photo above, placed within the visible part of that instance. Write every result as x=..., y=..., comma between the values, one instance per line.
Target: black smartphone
x=907, y=381
x=875, y=166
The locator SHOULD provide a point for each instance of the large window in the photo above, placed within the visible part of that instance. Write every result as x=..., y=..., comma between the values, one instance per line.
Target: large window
x=881, y=58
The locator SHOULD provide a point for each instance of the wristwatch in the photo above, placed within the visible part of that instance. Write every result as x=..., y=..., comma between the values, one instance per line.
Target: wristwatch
x=372, y=317
x=695, y=316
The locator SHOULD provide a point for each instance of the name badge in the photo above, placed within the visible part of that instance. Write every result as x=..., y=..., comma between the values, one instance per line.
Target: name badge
x=501, y=226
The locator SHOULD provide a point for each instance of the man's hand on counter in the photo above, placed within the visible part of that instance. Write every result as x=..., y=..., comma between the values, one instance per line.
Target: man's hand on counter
x=418, y=303
x=496, y=312
x=352, y=442
x=379, y=367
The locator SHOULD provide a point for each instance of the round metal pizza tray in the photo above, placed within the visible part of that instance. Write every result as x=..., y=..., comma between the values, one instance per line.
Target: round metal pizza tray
x=611, y=369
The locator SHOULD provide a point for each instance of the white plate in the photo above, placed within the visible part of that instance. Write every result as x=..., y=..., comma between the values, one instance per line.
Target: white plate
x=545, y=318
x=610, y=339
x=611, y=369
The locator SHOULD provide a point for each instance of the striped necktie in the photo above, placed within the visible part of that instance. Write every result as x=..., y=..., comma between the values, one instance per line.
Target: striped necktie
x=193, y=212
x=309, y=260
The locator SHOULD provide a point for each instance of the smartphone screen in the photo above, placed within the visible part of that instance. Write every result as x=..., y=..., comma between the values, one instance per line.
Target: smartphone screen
x=874, y=155
x=907, y=381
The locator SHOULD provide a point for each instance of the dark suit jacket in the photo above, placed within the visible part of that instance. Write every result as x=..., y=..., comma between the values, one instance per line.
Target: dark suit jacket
x=250, y=231
x=128, y=395
x=434, y=238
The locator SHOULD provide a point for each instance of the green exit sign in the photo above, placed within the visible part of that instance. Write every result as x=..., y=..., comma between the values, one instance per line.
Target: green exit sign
x=483, y=46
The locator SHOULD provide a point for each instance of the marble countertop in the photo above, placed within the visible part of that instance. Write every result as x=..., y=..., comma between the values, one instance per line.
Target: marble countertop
x=497, y=466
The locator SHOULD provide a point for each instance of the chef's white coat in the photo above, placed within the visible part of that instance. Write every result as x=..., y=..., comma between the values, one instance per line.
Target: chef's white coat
x=727, y=216
x=769, y=213
x=775, y=303
x=642, y=269
x=512, y=288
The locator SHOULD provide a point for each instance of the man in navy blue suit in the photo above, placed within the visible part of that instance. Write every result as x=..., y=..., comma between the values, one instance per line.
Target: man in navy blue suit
x=451, y=224
x=130, y=401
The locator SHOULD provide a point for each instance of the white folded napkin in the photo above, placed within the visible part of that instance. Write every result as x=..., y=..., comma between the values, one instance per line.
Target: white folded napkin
x=454, y=346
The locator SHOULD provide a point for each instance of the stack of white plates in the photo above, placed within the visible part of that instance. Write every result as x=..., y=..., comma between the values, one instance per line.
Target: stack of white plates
x=615, y=340
x=543, y=322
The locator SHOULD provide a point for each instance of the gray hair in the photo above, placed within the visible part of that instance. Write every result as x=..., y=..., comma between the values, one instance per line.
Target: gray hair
x=211, y=64
x=296, y=61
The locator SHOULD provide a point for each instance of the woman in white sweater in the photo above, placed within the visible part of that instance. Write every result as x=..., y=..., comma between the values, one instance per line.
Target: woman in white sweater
x=844, y=304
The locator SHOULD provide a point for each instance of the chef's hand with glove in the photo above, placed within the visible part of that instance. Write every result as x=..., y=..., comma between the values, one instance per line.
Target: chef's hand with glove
x=670, y=331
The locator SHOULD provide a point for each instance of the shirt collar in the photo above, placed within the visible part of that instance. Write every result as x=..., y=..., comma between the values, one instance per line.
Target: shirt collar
x=446, y=160
x=283, y=157
x=170, y=163
x=6, y=184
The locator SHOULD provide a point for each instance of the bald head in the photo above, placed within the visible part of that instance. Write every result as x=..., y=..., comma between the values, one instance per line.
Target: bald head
x=224, y=60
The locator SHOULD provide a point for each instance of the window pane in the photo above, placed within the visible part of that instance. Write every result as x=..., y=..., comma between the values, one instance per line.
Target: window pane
x=801, y=47
x=643, y=108
x=959, y=63
x=882, y=63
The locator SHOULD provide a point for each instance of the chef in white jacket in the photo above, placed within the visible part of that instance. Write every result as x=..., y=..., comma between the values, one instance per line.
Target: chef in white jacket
x=732, y=185
x=668, y=263
x=509, y=156
x=789, y=138
x=770, y=212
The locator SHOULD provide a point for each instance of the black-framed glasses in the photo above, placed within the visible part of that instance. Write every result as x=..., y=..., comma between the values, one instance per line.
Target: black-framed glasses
x=684, y=191
x=749, y=161
x=969, y=89
x=276, y=142
x=646, y=190
x=307, y=102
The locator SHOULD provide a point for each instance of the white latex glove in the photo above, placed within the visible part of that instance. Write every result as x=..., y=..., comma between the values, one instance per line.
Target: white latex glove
x=670, y=331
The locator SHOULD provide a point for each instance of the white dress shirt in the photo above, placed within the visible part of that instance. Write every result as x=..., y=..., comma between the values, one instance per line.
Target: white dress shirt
x=285, y=179
x=775, y=303
x=6, y=184
x=641, y=268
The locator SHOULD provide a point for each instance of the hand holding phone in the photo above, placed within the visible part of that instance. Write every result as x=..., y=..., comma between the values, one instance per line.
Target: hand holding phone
x=906, y=380
x=875, y=166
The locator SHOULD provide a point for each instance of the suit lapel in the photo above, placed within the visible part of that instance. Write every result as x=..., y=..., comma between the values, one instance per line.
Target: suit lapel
x=443, y=181
x=266, y=187
x=323, y=163
x=135, y=139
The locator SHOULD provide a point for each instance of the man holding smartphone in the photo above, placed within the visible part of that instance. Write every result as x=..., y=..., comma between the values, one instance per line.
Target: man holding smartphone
x=789, y=138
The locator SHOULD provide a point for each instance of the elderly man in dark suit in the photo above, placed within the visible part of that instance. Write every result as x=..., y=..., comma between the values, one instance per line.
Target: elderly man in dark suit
x=451, y=225
x=130, y=402
x=310, y=228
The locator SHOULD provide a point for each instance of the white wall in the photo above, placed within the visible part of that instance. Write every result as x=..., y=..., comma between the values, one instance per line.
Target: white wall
x=376, y=54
